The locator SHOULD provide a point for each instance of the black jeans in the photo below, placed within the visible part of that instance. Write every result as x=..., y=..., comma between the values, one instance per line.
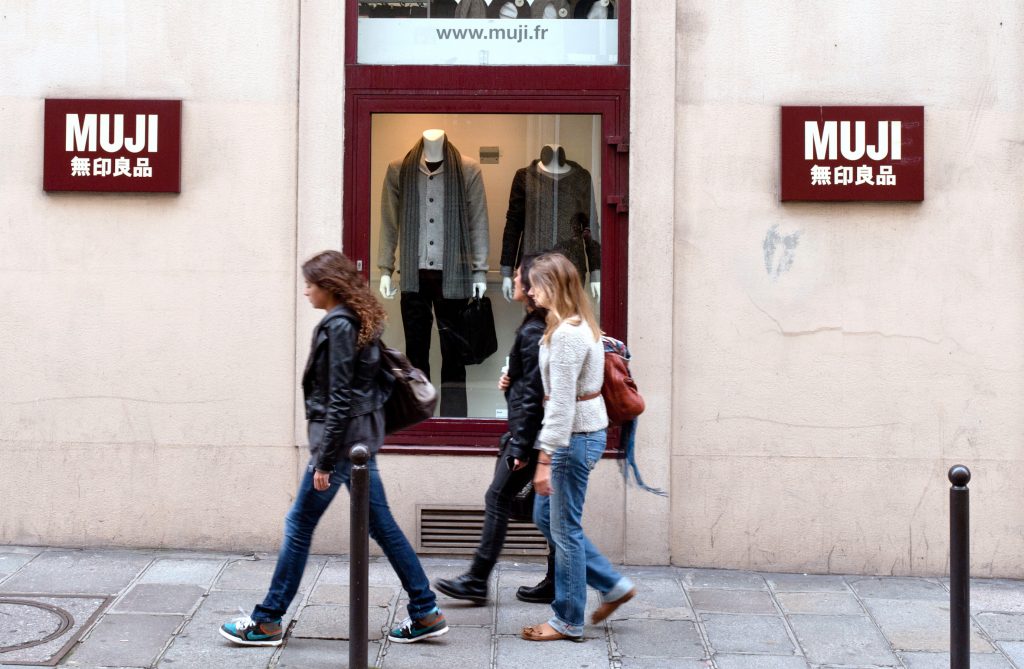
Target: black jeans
x=498, y=505
x=418, y=311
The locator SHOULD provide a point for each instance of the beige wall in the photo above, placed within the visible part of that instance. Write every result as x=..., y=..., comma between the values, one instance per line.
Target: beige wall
x=816, y=411
x=151, y=345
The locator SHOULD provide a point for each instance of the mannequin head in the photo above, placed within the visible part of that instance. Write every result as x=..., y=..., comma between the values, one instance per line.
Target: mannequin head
x=433, y=145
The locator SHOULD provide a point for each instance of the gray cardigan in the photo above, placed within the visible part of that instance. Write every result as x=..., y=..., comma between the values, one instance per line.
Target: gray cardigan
x=571, y=365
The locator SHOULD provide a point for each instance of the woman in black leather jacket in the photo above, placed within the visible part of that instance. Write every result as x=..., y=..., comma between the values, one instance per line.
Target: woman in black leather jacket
x=517, y=460
x=345, y=395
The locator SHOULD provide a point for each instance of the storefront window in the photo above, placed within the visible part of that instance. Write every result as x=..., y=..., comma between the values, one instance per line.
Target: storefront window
x=457, y=200
x=488, y=32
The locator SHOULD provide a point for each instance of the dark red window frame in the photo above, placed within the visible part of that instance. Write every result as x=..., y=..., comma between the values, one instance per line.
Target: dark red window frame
x=382, y=89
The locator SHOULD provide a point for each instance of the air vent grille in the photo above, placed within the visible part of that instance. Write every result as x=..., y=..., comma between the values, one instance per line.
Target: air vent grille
x=456, y=531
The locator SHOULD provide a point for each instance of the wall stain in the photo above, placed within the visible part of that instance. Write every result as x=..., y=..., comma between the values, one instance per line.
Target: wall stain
x=779, y=251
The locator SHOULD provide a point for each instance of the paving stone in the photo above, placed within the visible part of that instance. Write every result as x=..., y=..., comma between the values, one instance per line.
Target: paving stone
x=747, y=634
x=461, y=647
x=664, y=663
x=658, y=638
x=1002, y=626
x=941, y=661
x=12, y=562
x=806, y=583
x=657, y=598
x=823, y=603
x=845, y=640
x=722, y=579
x=331, y=621
x=997, y=595
x=321, y=654
x=328, y=593
x=20, y=623
x=244, y=574
x=380, y=572
x=919, y=625
x=128, y=640
x=183, y=571
x=898, y=588
x=1014, y=650
x=460, y=612
x=733, y=601
x=77, y=572
x=515, y=653
x=759, y=662
x=160, y=598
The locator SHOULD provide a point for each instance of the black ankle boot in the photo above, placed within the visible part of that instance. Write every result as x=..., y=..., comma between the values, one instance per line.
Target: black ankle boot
x=471, y=586
x=543, y=592
x=466, y=586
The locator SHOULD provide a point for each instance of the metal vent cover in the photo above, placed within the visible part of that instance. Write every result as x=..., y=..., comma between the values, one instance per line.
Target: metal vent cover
x=455, y=530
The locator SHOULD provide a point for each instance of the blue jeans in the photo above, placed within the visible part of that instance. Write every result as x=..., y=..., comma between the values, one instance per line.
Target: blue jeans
x=300, y=523
x=559, y=517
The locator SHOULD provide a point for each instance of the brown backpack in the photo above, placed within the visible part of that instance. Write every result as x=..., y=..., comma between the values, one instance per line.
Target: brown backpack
x=622, y=399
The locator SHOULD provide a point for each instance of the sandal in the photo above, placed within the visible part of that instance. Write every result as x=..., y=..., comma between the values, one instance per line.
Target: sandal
x=608, y=608
x=545, y=632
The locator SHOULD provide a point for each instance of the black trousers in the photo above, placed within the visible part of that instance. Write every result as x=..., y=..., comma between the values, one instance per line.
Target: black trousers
x=418, y=311
x=498, y=506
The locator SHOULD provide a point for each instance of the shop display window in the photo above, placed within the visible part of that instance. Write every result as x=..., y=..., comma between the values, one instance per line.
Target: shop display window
x=526, y=183
x=488, y=32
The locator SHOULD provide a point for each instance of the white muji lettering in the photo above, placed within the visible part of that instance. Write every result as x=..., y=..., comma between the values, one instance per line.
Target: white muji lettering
x=83, y=130
x=826, y=141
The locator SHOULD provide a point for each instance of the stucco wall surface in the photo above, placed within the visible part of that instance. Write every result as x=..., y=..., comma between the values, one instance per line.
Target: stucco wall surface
x=147, y=341
x=820, y=397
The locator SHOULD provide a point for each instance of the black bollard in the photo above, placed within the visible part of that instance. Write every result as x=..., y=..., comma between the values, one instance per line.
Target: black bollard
x=959, y=569
x=359, y=559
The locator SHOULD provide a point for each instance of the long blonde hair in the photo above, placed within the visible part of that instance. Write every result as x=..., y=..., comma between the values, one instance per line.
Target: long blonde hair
x=558, y=278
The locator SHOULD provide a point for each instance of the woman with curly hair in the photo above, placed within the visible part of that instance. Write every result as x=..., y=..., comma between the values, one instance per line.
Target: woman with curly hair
x=345, y=395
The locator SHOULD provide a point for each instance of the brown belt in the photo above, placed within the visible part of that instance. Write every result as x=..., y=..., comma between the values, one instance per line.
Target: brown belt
x=580, y=398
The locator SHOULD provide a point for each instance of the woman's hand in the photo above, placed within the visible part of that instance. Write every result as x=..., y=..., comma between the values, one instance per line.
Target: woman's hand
x=504, y=382
x=542, y=478
x=321, y=480
x=518, y=464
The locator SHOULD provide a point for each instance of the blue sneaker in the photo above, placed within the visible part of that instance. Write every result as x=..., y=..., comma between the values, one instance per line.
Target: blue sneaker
x=247, y=632
x=410, y=631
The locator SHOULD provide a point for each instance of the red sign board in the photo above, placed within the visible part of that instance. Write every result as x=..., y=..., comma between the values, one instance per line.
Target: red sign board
x=123, y=146
x=842, y=154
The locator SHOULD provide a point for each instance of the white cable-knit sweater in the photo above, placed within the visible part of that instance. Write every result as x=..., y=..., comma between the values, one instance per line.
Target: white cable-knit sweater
x=571, y=365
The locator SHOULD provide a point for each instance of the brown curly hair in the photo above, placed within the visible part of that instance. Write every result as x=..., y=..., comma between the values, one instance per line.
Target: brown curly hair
x=335, y=273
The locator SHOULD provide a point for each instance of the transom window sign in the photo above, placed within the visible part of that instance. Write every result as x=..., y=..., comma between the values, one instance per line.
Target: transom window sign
x=488, y=32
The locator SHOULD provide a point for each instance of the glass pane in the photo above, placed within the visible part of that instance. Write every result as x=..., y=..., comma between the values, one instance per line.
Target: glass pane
x=459, y=198
x=488, y=32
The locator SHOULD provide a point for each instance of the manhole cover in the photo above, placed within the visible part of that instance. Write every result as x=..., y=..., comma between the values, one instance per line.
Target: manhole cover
x=40, y=629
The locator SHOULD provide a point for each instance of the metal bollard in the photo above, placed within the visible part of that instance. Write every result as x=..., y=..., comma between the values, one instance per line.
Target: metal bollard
x=959, y=569
x=359, y=559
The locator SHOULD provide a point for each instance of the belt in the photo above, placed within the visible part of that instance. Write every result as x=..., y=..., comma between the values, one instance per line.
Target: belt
x=580, y=398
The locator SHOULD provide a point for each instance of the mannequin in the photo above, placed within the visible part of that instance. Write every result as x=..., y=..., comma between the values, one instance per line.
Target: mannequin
x=492, y=9
x=434, y=211
x=542, y=203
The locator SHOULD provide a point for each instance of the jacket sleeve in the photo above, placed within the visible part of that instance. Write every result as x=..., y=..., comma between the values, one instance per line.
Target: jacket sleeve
x=530, y=408
x=476, y=216
x=515, y=219
x=564, y=366
x=341, y=356
x=388, y=221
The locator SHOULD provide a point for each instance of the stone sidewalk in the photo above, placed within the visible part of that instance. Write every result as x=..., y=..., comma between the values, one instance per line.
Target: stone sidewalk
x=124, y=609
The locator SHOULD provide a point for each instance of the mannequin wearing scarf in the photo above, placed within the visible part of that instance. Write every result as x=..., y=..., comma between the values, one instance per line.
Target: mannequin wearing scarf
x=433, y=207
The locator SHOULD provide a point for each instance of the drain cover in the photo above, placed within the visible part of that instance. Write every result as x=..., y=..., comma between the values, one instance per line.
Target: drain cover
x=40, y=629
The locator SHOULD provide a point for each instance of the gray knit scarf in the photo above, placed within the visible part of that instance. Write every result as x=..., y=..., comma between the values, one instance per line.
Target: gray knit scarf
x=457, y=279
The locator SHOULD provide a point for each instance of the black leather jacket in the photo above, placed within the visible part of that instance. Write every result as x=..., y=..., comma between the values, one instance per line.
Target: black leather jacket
x=525, y=393
x=340, y=382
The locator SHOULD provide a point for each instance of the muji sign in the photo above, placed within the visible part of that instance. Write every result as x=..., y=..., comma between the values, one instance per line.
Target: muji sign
x=852, y=153
x=112, y=146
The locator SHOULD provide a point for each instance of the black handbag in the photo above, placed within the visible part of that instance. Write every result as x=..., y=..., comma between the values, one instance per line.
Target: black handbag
x=477, y=331
x=413, y=398
x=522, y=502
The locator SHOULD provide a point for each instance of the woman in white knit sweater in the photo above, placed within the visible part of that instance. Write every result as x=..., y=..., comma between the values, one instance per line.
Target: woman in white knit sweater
x=571, y=441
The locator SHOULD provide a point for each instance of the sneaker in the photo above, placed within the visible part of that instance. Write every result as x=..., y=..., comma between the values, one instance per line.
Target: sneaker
x=433, y=624
x=247, y=632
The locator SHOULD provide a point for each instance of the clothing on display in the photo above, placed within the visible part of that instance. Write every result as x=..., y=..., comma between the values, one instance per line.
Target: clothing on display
x=540, y=217
x=438, y=218
x=443, y=9
x=550, y=9
x=602, y=9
